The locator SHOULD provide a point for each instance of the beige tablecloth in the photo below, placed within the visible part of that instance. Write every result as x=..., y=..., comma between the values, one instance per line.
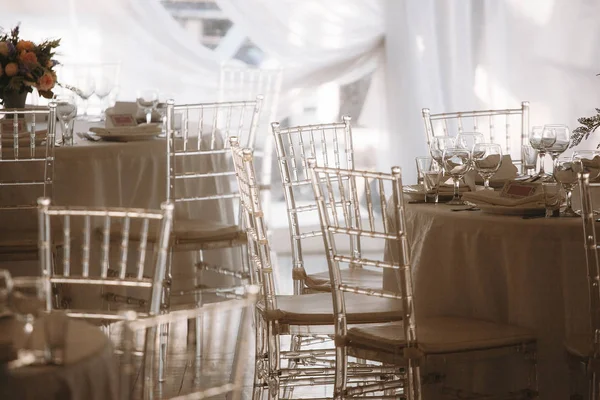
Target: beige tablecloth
x=527, y=272
x=90, y=372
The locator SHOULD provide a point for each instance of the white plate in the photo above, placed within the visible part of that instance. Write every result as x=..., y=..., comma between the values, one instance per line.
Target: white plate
x=129, y=137
x=503, y=210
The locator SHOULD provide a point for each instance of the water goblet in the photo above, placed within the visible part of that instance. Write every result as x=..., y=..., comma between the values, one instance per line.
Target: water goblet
x=431, y=185
x=424, y=164
x=84, y=87
x=437, y=147
x=553, y=198
x=147, y=100
x=587, y=161
x=565, y=173
x=457, y=162
x=487, y=158
x=530, y=158
x=562, y=137
x=541, y=140
x=26, y=300
x=468, y=140
x=66, y=110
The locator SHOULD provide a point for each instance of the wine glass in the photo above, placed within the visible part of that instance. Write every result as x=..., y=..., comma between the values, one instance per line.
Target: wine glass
x=530, y=157
x=147, y=100
x=487, y=158
x=587, y=161
x=540, y=140
x=5, y=289
x=457, y=162
x=437, y=147
x=84, y=87
x=561, y=135
x=565, y=173
x=66, y=110
x=27, y=299
x=104, y=85
x=468, y=140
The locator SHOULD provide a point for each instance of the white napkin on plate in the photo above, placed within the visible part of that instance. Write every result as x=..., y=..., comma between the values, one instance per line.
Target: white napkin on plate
x=141, y=129
x=488, y=197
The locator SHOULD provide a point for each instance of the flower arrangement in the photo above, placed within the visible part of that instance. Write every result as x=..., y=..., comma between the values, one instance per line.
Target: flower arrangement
x=589, y=125
x=25, y=65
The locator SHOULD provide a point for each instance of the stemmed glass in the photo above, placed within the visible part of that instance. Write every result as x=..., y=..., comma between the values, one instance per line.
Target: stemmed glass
x=541, y=140
x=562, y=137
x=84, y=88
x=104, y=86
x=147, y=100
x=27, y=299
x=457, y=162
x=565, y=173
x=468, y=140
x=587, y=161
x=437, y=147
x=487, y=158
x=66, y=110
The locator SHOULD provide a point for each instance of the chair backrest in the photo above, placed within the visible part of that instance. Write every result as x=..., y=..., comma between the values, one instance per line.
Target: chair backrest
x=87, y=235
x=336, y=194
x=254, y=222
x=592, y=257
x=198, y=156
x=242, y=82
x=226, y=336
x=331, y=145
x=26, y=157
x=508, y=127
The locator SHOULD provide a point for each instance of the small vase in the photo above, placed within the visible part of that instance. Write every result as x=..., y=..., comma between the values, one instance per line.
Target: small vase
x=15, y=99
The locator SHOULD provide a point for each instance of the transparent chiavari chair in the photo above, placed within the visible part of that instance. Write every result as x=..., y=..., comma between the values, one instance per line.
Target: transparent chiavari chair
x=507, y=127
x=27, y=173
x=227, y=339
x=307, y=315
x=331, y=145
x=584, y=350
x=407, y=344
x=242, y=82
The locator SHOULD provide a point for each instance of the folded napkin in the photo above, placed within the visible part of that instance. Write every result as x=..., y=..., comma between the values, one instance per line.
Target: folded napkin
x=507, y=171
x=488, y=197
x=142, y=129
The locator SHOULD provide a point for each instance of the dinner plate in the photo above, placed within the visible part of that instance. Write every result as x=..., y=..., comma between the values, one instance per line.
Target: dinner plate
x=503, y=210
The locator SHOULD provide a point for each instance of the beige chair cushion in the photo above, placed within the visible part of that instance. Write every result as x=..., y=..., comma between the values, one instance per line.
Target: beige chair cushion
x=317, y=309
x=362, y=277
x=579, y=345
x=440, y=335
x=192, y=233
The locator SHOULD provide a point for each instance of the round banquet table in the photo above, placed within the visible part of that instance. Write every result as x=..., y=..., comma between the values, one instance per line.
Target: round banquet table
x=133, y=174
x=526, y=272
x=90, y=371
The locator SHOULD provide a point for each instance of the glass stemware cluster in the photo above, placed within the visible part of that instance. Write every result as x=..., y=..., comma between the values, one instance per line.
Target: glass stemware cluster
x=550, y=139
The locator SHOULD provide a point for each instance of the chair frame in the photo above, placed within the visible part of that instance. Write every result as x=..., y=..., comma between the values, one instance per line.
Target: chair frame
x=429, y=118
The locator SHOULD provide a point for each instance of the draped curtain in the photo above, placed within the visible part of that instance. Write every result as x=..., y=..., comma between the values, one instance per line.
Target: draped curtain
x=444, y=55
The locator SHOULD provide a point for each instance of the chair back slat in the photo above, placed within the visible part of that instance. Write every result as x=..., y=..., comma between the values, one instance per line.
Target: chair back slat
x=95, y=252
x=497, y=126
x=592, y=257
x=327, y=184
x=331, y=145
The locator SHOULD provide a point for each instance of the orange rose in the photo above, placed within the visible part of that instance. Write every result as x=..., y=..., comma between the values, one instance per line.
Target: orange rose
x=3, y=48
x=28, y=58
x=11, y=69
x=46, y=82
x=49, y=64
x=25, y=45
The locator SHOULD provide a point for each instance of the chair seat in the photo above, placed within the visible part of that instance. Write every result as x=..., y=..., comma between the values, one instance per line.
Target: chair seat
x=362, y=277
x=190, y=234
x=317, y=309
x=579, y=345
x=440, y=335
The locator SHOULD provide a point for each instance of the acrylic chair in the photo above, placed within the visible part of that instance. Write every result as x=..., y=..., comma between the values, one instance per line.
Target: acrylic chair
x=331, y=145
x=86, y=255
x=584, y=350
x=307, y=315
x=507, y=127
x=27, y=160
x=227, y=338
x=409, y=344
x=238, y=82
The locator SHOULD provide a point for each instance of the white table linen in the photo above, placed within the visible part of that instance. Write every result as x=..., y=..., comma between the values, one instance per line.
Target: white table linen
x=526, y=272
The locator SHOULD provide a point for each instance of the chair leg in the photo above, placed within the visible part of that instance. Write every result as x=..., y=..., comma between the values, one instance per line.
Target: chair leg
x=296, y=341
x=198, y=302
x=163, y=345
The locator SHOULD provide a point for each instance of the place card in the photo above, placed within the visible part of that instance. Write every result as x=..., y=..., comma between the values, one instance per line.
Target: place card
x=7, y=126
x=519, y=190
x=123, y=120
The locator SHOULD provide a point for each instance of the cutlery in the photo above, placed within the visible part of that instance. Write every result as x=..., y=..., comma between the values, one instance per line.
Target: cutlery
x=471, y=208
